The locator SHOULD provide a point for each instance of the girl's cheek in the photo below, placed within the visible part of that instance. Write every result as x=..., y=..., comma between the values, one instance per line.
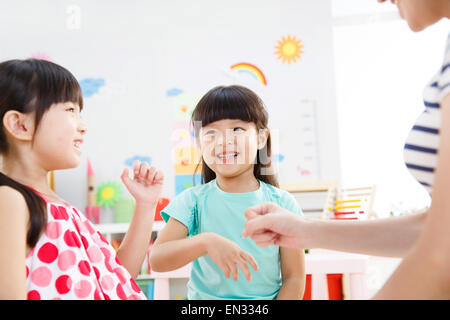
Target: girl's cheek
x=245, y=141
x=208, y=152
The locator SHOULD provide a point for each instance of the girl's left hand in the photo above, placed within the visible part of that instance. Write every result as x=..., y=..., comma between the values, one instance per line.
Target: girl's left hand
x=147, y=183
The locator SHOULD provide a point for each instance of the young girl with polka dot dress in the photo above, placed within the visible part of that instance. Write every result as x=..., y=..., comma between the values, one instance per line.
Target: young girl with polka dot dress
x=48, y=248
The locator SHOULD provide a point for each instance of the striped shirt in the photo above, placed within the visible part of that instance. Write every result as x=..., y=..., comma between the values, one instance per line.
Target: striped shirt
x=422, y=144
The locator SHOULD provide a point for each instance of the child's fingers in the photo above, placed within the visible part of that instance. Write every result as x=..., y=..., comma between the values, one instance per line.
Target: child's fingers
x=136, y=166
x=143, y=169
x=226, y=270
x=125, y=178
x=245, y=269
x=151, y=175
x=249, y=258
x=234, y=270
x=159, y=177
x=124, y=174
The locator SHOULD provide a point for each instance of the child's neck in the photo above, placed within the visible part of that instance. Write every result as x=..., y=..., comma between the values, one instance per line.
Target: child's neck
x=245, y=182
x=28, y=175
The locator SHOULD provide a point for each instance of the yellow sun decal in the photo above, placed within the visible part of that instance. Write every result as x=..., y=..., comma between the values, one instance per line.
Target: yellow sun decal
x=289, y=49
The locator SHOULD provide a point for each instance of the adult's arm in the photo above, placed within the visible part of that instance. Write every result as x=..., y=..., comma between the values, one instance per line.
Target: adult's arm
x=269, y=224
x=387, y=237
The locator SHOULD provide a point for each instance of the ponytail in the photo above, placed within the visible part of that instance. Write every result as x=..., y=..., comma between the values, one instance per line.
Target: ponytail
x=36, y=206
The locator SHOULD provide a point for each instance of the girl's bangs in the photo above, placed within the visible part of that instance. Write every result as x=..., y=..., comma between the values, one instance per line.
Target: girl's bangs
x=224, y=104
x=56, y=84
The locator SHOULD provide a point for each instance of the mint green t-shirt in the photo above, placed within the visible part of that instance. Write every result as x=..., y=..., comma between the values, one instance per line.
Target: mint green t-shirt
x=207, y=208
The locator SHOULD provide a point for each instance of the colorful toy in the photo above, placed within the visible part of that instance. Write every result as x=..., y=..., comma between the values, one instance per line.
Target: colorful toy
x=92, y=210
x=352, y=204
x=162, y=203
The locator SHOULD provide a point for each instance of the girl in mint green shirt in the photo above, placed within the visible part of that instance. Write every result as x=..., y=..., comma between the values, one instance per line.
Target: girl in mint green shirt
x=205, y=223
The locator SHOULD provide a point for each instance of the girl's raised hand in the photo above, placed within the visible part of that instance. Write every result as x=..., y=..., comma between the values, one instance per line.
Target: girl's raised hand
x=146, y=184
x=229, y=256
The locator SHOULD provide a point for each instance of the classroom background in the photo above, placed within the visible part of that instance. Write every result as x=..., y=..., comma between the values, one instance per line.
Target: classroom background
x=340, y=79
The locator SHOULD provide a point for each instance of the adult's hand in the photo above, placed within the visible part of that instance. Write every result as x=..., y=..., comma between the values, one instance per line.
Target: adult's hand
x=269, y=224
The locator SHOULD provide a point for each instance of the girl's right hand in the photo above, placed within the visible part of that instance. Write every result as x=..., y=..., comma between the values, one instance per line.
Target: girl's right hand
x=229, y=256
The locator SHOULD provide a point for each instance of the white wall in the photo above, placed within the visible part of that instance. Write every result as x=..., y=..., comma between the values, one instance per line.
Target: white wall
x=143, y=48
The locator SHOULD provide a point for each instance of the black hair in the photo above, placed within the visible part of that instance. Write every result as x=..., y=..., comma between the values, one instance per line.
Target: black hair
x=33, y=86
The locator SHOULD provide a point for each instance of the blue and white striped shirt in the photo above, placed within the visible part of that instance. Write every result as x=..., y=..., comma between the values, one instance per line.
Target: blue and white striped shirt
x=422, y=144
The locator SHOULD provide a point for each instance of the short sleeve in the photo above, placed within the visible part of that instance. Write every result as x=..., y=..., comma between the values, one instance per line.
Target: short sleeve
x=184, y=209
x=288, y=202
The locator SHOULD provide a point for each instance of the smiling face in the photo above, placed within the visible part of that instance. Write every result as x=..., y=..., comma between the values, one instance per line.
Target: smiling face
x=229, y=146
x=59, y=136
x=231, y=128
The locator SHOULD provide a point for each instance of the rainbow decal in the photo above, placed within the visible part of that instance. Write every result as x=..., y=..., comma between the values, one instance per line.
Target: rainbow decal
x=250, y=69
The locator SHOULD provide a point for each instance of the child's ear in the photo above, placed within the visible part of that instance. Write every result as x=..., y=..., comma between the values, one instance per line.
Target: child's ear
x=19, y=125
x=263, y=135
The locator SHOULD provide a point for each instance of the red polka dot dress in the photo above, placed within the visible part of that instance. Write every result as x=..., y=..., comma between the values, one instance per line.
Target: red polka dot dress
x=72, y=260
